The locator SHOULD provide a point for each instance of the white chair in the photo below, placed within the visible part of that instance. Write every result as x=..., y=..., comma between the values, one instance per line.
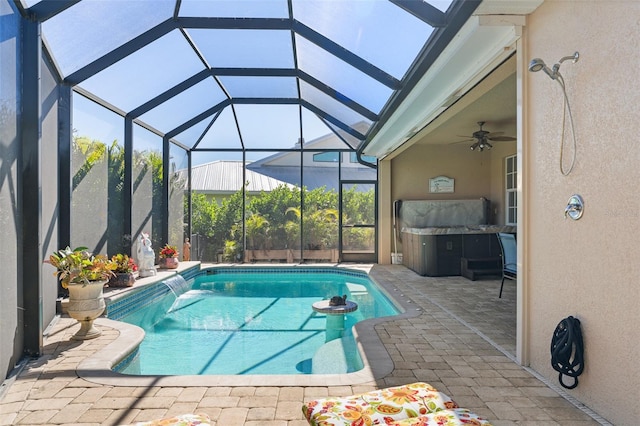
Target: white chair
x=509, y=257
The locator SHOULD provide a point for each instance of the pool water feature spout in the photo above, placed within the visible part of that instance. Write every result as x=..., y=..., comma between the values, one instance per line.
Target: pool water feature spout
x=177, y=284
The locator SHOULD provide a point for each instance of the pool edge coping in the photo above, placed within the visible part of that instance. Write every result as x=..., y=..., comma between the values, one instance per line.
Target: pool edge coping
x=377, y=361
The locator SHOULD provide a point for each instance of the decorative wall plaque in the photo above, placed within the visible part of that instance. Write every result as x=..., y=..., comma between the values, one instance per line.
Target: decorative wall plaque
x=441, y=184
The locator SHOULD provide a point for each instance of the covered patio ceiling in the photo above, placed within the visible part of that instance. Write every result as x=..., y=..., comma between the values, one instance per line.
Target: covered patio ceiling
x=492, y=101
x=463, y=85
x=249, y=75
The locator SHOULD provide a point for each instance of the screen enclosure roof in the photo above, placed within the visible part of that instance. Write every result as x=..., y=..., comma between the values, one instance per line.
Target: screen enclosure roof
x=248, y=74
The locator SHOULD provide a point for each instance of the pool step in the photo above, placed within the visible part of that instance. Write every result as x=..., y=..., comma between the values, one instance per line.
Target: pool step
x=337, y=357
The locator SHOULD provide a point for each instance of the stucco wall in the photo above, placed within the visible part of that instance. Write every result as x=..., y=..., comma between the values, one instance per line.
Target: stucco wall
x=476, y=174
x=587, y=268
x=414, y=167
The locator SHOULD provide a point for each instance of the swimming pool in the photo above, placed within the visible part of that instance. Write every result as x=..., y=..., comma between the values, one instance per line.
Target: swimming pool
x=246, y=321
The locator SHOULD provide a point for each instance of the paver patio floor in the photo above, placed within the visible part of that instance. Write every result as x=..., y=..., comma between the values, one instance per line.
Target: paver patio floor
x=458, y=338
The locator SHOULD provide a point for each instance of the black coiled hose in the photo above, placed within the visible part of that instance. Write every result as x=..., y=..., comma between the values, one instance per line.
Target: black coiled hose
x=567, y=350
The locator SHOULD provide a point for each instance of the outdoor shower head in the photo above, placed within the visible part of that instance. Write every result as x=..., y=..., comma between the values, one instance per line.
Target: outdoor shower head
x=538, y=64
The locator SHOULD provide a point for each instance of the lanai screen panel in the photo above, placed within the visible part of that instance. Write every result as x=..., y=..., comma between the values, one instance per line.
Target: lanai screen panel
x=235, y=8
x=275, y=126
x=377, y=31
x=97, y=165
x=333, y=106
x=317, y=132
x=344, y=78
x=147, y=73
x=260, y=87
x=178, y=216
x=218, y=132
x=92, y=28
x=146, y=209
x=233, y=48
x=181, y=107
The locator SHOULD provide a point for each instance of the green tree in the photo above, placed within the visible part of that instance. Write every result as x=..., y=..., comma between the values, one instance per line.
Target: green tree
x=147, y=192
x=319, y=227
x=228, y=217
x=97, y=204
x=273, y=220
x=87, y=153
x=257, y=229
x=203, y=214
x=117, y=241
x=273, y=206
x=358, y=208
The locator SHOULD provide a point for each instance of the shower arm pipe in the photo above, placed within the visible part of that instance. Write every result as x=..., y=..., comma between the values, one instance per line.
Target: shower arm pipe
x=573, y=58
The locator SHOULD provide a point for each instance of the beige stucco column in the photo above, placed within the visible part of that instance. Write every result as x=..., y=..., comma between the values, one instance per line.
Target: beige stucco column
x=385, y=211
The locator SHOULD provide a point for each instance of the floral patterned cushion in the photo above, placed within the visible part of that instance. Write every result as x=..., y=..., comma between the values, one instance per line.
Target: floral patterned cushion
x=181, y=420
x=381, y=407
x=454, y=417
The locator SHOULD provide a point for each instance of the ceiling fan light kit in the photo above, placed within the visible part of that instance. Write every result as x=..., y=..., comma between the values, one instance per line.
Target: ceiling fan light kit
x=481, y=146
x=482, y=138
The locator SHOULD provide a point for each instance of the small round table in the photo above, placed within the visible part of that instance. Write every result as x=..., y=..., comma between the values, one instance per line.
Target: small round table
x=335, y=316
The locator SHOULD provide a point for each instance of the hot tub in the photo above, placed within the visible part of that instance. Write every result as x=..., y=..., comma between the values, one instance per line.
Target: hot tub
x=443, y=251
x=438, y=235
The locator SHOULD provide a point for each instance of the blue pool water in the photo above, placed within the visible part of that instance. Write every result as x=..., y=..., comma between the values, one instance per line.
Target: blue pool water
x=229, y=322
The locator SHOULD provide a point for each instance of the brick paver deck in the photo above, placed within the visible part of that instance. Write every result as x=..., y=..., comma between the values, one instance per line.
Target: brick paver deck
x=461, y=348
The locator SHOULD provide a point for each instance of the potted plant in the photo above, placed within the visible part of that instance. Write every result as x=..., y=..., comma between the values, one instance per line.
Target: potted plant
x=124, y=267
x=169, y=257
x=84, y=275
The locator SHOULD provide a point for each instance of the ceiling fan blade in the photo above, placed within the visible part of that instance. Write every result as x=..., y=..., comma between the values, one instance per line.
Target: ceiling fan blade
x=492, y=134
x=502, y=138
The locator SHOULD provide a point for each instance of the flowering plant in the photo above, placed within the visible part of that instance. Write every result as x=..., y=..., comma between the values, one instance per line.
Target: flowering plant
x=80, y=266
x=168, y=251
x=123, y=263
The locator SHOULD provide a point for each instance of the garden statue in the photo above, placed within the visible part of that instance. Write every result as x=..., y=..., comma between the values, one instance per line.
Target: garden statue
x=338, y=301
x=146, y=257
x=186, y=250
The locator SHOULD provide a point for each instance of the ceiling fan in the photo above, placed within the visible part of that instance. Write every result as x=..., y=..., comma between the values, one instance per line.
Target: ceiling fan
x=481, y=138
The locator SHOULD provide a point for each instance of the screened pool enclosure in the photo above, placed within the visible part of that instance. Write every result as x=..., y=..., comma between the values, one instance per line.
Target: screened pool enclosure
x=240, y=125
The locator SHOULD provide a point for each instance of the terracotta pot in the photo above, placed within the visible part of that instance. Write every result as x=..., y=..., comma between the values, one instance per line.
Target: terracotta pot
x=122, y=279
x=168, y=262
x=86, y=303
